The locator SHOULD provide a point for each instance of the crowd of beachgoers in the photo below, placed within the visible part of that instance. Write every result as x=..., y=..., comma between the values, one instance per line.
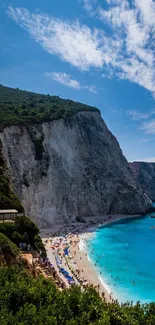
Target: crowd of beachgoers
x=61, y=248
x=66, y=257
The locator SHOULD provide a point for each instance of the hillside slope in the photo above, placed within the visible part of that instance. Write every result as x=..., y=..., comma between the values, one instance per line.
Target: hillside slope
x=23, y=107
x=144, y=174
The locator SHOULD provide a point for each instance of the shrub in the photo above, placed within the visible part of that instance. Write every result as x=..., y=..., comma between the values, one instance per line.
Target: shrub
x=8, y=250
x=25, y=300
x=23, y=230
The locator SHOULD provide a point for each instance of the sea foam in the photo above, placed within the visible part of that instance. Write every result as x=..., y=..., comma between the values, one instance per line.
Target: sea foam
x=104, y=284
x=82, y=245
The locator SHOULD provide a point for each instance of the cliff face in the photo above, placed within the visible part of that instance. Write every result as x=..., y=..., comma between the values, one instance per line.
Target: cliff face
x=80, y=170
x=8, y=199
x=144, y=174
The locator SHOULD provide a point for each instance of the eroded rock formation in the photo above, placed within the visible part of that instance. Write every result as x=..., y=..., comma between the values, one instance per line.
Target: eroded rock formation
x=80, y=170
x=144, y=174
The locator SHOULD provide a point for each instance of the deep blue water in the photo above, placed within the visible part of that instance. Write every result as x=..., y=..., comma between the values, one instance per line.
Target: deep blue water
x=124, y=253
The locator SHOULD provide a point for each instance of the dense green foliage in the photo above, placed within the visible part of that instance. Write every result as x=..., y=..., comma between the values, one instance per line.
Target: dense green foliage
x=8, y=199
x=23, y=107
x=25, y=300
x=23, y=230
x=8, y=250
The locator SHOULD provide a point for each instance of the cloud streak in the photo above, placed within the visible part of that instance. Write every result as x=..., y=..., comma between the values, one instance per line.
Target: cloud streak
x=127, y=51
x=133, y=23
x=148, y=127
x=66, y=80
x=72, y=42
x=138, y=116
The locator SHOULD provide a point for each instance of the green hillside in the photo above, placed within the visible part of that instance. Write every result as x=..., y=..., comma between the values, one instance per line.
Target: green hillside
x=18, y=107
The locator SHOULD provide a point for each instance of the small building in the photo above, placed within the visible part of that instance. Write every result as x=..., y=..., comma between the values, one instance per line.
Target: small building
x=8, y=215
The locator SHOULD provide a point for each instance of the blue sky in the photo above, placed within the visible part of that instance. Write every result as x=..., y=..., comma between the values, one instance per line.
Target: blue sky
x=96, y=52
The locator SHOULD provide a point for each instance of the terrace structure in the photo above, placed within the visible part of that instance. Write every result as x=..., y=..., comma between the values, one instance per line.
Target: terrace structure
x=8, y=215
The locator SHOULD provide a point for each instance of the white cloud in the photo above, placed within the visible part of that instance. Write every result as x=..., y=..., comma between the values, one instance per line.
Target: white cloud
x=133, y=23
x=66, y=80
x=127, y=51
x=88, y=5
x=135, y=115
x=72, y=42
x=148, y=127
x=91, y=88
x=146, y=140
x=147, y=11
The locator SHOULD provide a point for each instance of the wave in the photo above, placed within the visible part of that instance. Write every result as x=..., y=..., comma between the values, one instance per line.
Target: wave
x=89, y=259
x=104, y=284
x=82, y=245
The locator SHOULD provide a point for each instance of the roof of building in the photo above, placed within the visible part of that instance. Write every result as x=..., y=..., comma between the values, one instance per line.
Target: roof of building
x=8, y=211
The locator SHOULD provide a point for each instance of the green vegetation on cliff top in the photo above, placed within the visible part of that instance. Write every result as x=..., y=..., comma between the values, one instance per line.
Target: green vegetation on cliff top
x=23, y=107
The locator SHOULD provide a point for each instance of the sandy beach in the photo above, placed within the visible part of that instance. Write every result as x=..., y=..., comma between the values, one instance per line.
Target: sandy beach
x=75, y=260
x=86, y=268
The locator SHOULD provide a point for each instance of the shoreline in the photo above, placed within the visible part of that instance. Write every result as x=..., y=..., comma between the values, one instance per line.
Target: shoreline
x=88, y=270
x=78, y=257
x=109, y=294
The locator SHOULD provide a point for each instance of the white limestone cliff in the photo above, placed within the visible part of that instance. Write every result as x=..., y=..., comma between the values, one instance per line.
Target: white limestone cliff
x=82, y=171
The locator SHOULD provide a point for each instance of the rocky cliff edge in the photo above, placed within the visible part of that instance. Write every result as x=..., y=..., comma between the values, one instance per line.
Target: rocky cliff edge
x=64, y=169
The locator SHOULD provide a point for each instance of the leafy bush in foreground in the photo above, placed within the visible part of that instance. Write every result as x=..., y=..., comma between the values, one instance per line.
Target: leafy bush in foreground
x=25, y=300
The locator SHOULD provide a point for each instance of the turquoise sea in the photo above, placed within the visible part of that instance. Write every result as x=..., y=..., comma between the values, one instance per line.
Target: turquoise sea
x=124, y=254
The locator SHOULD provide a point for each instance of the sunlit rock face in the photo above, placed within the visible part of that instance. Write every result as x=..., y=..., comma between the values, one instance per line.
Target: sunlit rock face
x=80, y=172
